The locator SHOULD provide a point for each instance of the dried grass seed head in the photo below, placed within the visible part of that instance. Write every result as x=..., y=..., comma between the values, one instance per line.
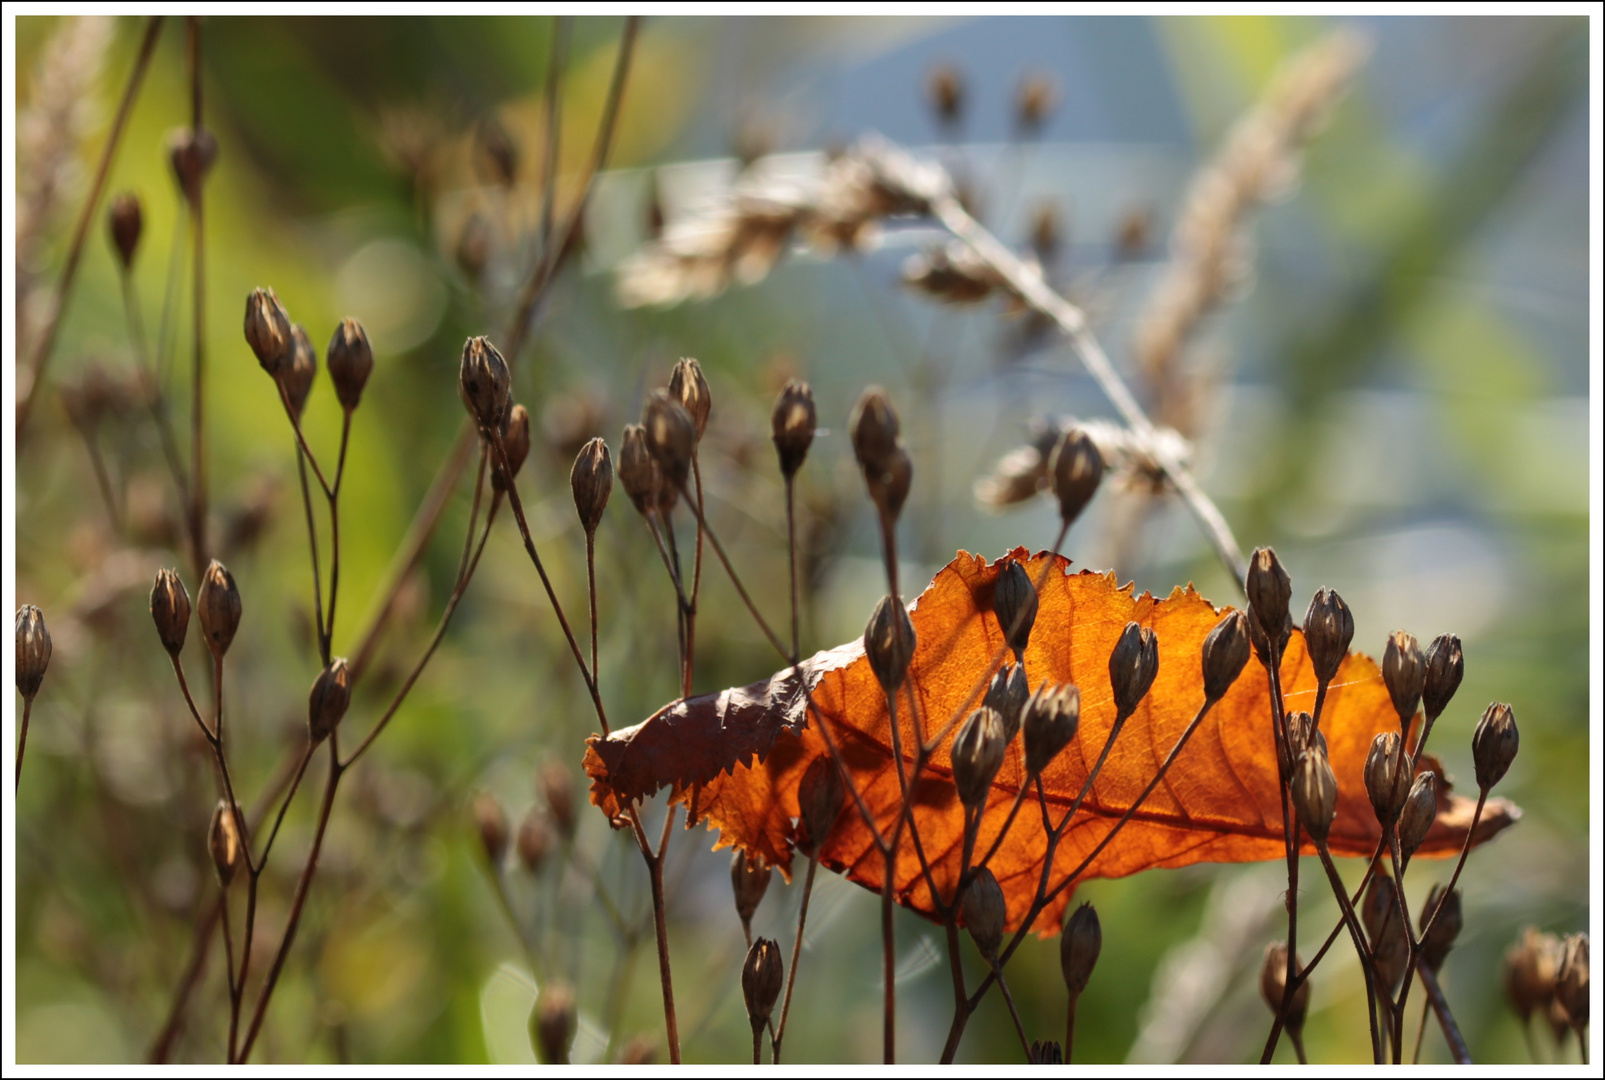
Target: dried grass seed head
x=33, y=650
x=1572, y=979
x=749, y=880
x=1419, y=812
x=1314, y=792
x=515, y=443
x=762, y=977
x=1008, y=693
x=889, y=642
x=1328, y=630
x=637, y=471
x=1404, y=673
x=1494, y=744
x=1014, y=599
x=1051, y=718
x=1079, y=947
x=485, y=383
x=552, y=1023
x=1132, y=667
x=223, y=841
x=1225, y=654
x=350, y=362
x=688, y=386
x=820, y=796
x=977, y=755
x=591, y=481
x=125, y=221
x=793, y=422
x=1387, y=776
x=985, y=912
x=169, y=609
x=218, y=605
x=491, y=821
x=1273, y=985
x=268, y=331
x=1076, y=469
x=330, y=697
x=1442, y=929
x=301, y=372
x=534, y=840
x=671, y=437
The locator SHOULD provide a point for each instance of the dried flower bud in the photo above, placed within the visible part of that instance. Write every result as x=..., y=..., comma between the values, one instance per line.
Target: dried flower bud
x=1225, y=654
x=1051, y=718
x=485, y=382
x=534, y=840
x=1404, y=673
x=1036, y=98
x=749, y=880
x=1387, y=777
x=1446, y=666
x=1008, y=693
x=889, y=641
x=1419, y=812
x=551, y=1024
x=33, y=650
x=126, y=221
x=191, y=153
x=985, y=912
x=793, y=421
x=1531, y=966
x=977, y=756
x=1571, y=981
x=1044, y=1052
x=1132, y=667
x=1273, y=985
x=169, y=608
x=944, y=89
x=491, y=821
x=1076, y=469
x=1015, y=601
x=1328, y=629
x=1079, y=947
x=223, y=838
x=1381, y=903
x=1444, y=927
x=1315, y=792
x=350, y=361
x=331, y=695
x=1269, y=591
x=874, y=429
x=302, y=370
x=515, y=444
x=218, y=605
x=762, y=977
x=267, y=330
x=1494, y=744
x=557, y=788
x=671, y=437
x=889, y=489
x=819, y=801
x=1390, y=947
x=637, y=471
x=592, y=482
x=690, y=389
x=1302, y=734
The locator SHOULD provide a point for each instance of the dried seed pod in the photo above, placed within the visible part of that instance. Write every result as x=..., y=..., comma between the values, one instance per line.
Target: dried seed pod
x=1044, y=1052
x=1015, y=601
x=1225, y=654
x=671, y=437
x=592, y=482
x=1445, y=667
x=125, y=221
x=637, y=471
x=889, y=642
x=874, y=429
x=1494, y=744
x=1076, y=469
x=761, y=980
x=1302, y=735
x=223, y=840
x=819, y=801
x=1571, y=980
x=1445, y=927
x=1531, y=965
x=1273, y=985
x=977, y=755
x=33, y=650
x=485, y=382
x=218, y=605
x=1008, y=693
x=1404, y=673
x=515, y=443
x=1387, y=777
x=1419, y=812
x=640, y=1050
x=267, y=330
x=331, y=695
x=534, y=840
x=889, y=489
x=1381, y=903
x=1390, y=946
x=1314, y=792
x=944, y=90
x=1328, y=630
x=191, y=153
x=491, y=821
x=1036, y=98
x=299, y=374
x=350, y=362
x=557, y=788
x=985, y=912
x=169, y=608
x=551, y=1024
x=690, y=389
x=1079, y=947
x=793, y=421
x=1051, y=718
x=1132, y=667
x=749, y=880
x=1269, y=591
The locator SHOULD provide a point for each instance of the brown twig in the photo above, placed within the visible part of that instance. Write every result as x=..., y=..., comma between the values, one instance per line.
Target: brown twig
x=198, y=373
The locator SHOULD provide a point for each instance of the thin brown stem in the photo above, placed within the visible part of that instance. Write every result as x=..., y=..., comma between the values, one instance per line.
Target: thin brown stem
x=1070, y=1029
x=735, y=579
x=233, y=982
x=1357, y=936
x=554, y=117
x=1446, y=1020
x=696, y=582
x=45, y=344
x=22, y=740
x=1014, y=1013
x=300, y=438
x=791, y=561
x=796, y=956
x=312, y=545
x=334, y=535
x=888, y=955
x=1411, y=943
x=150, y=385
x=590, y=591
x=295, y=784
x=660, y=927
x=198, y=252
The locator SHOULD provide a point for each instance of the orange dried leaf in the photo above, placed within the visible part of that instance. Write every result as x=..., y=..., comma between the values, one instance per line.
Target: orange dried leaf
x=735, y=758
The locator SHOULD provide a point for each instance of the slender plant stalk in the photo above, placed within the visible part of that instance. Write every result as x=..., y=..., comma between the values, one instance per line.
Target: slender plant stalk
x=1451, y=1031
x=796, y=956
x=22, y=740
x=198, y=373
x=1357, y=936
